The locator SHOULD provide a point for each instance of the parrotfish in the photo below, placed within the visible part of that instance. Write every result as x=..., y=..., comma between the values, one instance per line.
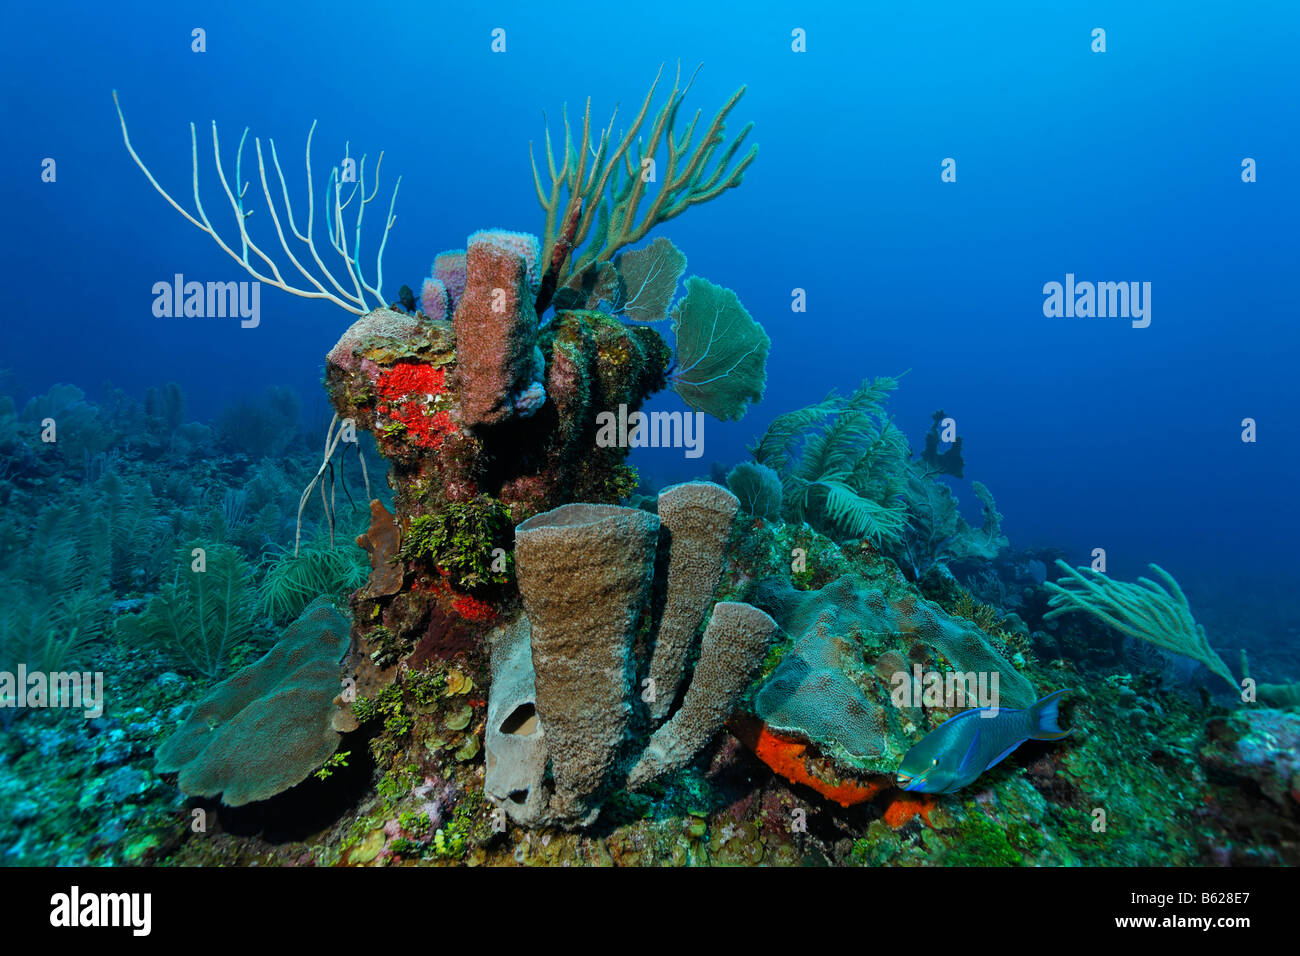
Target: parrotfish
x=963, y=747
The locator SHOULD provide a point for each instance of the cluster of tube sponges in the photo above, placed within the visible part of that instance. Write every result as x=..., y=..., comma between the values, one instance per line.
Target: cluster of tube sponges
x=585, y=699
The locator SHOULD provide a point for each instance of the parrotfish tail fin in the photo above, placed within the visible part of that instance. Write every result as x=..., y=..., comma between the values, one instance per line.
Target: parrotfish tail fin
x=1043, y=716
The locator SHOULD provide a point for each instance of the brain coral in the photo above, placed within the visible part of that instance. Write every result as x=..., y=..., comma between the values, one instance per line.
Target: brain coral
x=266, y=728
x=833, y=687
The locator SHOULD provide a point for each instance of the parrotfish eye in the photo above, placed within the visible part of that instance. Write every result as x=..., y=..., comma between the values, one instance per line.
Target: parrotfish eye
x=934, y=762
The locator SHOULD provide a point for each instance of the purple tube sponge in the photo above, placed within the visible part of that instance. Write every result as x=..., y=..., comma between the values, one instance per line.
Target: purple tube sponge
x=433, y=300
x=449, y=269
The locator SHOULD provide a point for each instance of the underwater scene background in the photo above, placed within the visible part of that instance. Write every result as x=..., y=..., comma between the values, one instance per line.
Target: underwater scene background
x=998, y=315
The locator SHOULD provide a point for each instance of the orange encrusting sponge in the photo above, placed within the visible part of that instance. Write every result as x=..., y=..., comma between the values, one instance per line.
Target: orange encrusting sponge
x=906, y=806
x=791, y=758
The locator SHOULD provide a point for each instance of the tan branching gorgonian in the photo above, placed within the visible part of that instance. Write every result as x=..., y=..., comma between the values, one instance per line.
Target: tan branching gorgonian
x=593, y=204
x=1146, y=610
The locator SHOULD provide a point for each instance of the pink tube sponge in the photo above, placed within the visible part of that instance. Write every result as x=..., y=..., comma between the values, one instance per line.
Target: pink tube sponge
x=521, y=243
x=496, y=332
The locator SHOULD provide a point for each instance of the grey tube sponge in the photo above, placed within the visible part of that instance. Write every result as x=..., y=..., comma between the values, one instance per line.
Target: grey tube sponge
x=731, y=653
x=698, y=516
x=515, y=745
x=584, y=574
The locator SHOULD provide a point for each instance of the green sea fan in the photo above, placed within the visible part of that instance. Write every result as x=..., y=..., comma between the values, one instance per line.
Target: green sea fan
x=721, y=351
x=80, y=432
x=759, y=489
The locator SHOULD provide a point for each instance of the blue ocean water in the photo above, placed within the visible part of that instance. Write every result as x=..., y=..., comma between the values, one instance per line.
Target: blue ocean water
x=1117, y=166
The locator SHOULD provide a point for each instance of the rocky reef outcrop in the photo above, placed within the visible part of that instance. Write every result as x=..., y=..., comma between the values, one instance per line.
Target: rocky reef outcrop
x=1252, y=759
x=487, y=418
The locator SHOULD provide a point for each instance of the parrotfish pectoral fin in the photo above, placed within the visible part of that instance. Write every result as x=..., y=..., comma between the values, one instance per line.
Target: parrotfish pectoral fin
x=968, y=761
x=1003, y=756
x=1043, y=716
